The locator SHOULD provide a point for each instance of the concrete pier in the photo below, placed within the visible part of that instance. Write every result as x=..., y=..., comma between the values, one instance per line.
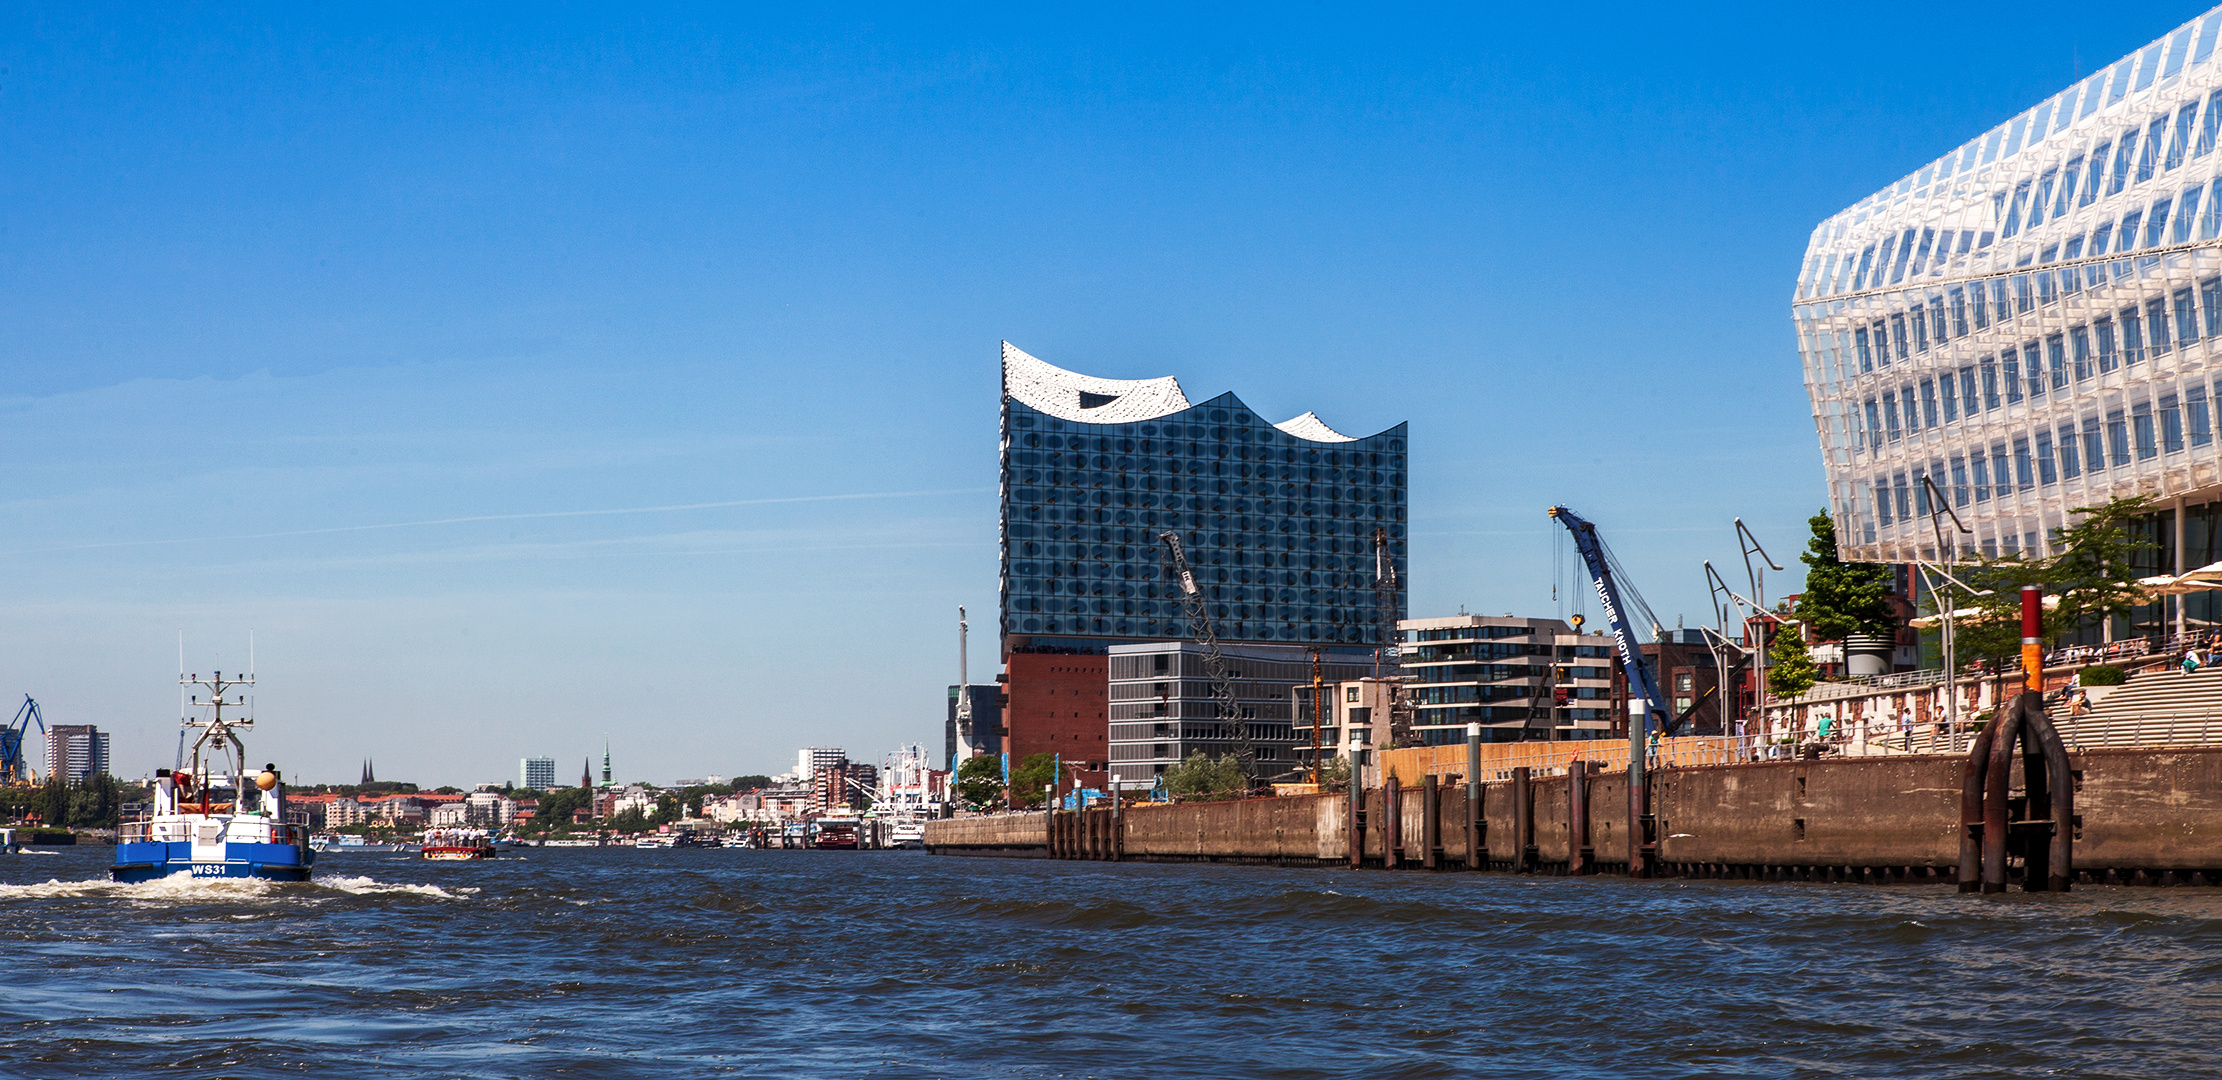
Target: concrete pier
x=2143, y=816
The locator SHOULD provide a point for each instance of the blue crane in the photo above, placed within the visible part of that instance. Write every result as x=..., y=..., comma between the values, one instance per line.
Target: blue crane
x=14, y=768
x=1598, y=558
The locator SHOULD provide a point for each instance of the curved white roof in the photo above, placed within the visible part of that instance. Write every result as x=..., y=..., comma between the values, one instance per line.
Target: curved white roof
x=1310, y=426
x=1069, y=395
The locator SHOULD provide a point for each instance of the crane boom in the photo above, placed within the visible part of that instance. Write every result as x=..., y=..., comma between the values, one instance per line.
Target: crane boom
x=1640, y=682
x=15, y=768
x=1215, y=664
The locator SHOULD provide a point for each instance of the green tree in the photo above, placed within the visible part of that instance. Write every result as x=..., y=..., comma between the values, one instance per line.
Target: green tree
x=751, y=782
x=1200, y=777
x=1841, y=599
x=631, y=821
x=556, y=808
x=1032, y=775
x=2092, y=571
x=1790, y=668
x=980, y=781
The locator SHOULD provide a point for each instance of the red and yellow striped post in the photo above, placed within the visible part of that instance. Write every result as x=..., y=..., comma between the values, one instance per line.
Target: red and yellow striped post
x=2032, y=632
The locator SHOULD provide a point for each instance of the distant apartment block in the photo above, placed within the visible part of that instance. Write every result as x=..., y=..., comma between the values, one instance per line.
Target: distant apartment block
x=76, y=751
x=537, y=773
x=1162, y=707
x=1520, y=679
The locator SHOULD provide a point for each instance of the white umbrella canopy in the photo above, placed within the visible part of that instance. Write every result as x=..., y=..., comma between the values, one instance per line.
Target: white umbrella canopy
x=1968, y=615
x=2164, y=585
x=2209, y=576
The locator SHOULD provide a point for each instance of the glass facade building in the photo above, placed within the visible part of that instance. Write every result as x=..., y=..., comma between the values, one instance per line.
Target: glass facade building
x=2029, y=323
x=1278, y=520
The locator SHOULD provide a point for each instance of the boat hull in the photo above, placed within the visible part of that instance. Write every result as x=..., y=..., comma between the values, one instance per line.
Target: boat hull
x=150, y=861
x=453, y=854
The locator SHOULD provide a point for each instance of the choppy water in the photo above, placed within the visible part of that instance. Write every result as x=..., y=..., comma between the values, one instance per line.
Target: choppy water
x=624, y=963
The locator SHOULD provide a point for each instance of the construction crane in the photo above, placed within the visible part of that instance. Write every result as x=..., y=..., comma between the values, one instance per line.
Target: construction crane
x=14, y=767
x=1390, y=651
x=1215, y=665
x=1606, y=578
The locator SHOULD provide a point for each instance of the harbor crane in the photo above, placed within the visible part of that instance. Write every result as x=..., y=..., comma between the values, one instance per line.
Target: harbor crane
x=14, y=767
x=1215, y=665
x=1605, y=576
x=1390, y=652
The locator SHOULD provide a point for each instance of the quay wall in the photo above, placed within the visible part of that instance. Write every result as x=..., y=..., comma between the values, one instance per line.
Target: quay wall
x=2142, y=814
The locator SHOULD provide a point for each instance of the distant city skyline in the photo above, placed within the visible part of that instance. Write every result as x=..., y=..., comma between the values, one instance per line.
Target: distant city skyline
x=519, y=377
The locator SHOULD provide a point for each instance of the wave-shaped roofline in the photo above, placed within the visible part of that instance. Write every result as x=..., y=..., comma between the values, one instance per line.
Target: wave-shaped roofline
x=1087, y=399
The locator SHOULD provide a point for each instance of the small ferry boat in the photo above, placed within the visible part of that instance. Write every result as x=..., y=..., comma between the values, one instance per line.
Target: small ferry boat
x=211, y=818
x=907, y=834
x=456, y=844
x=349, y=842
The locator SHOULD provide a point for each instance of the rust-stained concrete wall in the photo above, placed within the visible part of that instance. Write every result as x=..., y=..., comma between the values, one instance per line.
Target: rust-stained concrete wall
x=1019, y=835
x=2140, y=810
x=1852, y=812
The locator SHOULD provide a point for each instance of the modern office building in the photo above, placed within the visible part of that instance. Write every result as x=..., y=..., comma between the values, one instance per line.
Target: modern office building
x=1279, y=520
x=1520, y=679
x=987, y=724
x=1162, y=708
x=76, y=752
x=2029, y=323
x=537, y=773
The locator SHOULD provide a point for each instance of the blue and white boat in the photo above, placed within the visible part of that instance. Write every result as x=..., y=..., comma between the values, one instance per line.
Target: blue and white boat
x=210, y=817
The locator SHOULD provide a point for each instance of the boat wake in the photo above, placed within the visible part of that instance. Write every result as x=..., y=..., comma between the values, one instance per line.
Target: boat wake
x=180, y=887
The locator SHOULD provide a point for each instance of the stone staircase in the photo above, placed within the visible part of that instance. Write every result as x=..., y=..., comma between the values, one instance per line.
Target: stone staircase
x=2154, y=708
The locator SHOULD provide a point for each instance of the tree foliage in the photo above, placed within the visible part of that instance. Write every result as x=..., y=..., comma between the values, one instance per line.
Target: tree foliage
x=1038, y=771
x=1790, y=667
x=1201, y=777
x=1841, y=599
x=980, y=781
x=2093, y=572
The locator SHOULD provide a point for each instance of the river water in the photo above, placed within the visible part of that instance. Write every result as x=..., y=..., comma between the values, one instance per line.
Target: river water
x=624, y=963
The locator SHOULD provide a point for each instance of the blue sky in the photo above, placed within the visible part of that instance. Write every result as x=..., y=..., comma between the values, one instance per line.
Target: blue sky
x=520, y=376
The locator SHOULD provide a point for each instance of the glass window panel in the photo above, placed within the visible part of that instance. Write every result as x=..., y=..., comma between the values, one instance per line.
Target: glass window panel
x=2095, y=174
x=2109, y=355
x=1980, y=467
x=2117, y=84
x=2056, y=359
x=2156, y=223
x=1866, y=353
x=2080, y=341
x=2025, y=473
x=2148, y=157
x=1959, y=482
x=2069, y=466
x=2125, y=155
x=1905, y=249
x=2179, y=50
x=1874, y=423
x=2148, y=65
x=2195, y=415
x=1928, y=403
x=1959, y=313
x=2210, y=299
x=2171, y=425
x=2117, y=438
x=1919, y=323
x=1937, y=324
x=2206, y=39
x=2046, y=474
x=1890, y=417
x=2014, y=133
x=2009, y=363
x=2141, y=425
x=2187, y=322
x=2094, y=445
x=1913, y=414
x=1949, y=388
x=2133, y=336
x=1967, y=390
x=2156, y=326
x=2186, y=211
x=1898, y=336
x=1990, y=383
x=1982, y=317
x=2179, y=145
x=2001, y=478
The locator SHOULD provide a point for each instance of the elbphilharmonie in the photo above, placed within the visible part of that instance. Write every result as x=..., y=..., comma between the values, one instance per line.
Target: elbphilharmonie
x=2032, y=322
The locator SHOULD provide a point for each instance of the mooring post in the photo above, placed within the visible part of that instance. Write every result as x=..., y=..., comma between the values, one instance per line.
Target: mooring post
x=1577, y=817
x=1430, y=818
x=1356, y=829
x=1523, y=820
x=2060, y=865
x=1477, y=851
x=1995, y=782
x=1392, y=822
